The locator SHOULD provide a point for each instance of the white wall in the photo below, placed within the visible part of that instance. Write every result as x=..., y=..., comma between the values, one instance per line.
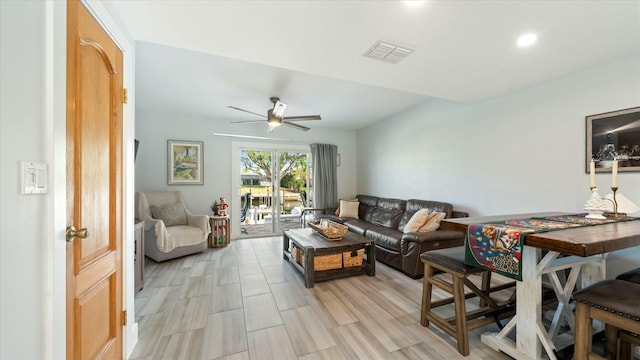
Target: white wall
x=153, y=129
x=32, y=127
x=523, y=152
x=24, y=242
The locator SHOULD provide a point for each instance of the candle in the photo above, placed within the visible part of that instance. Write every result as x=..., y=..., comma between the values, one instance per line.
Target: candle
x=592, y=173
x=614, y=172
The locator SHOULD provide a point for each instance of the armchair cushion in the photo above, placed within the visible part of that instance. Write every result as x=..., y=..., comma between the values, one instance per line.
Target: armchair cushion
x=171, y=214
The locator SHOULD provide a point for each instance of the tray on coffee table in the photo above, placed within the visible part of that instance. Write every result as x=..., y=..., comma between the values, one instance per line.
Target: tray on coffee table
x=329, y=230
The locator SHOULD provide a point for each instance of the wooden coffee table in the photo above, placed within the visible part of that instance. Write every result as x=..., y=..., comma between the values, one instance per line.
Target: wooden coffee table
x=312, y=245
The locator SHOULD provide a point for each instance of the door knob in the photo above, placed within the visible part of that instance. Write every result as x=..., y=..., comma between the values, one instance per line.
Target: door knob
x=72, y=233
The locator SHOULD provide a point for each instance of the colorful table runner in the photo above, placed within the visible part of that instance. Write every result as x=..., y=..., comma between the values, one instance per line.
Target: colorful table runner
x=497, y=246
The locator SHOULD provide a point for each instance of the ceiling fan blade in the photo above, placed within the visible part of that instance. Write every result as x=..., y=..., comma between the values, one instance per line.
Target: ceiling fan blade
x=247, y=111
x=247, y=122
x=299, y=127
x=302, y=117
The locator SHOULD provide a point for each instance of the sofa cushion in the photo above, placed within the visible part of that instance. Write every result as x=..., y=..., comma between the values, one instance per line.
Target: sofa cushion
x=358, y=226
x=388, y=213
x=367, y=204
x=392, y=204
x=417, y=221
x=385, y=237
x=170, y=214
x=433, y=222
x=349, y=208
x=413, y=205
x=337, y=212
x=386, y=218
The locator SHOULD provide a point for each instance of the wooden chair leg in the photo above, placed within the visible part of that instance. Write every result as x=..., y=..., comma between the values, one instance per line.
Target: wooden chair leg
x=611, y=341
x=462, y=333
x=626, y=351
x=426, y=294
x=627, y=344
x=582, y=345
x=486, y=286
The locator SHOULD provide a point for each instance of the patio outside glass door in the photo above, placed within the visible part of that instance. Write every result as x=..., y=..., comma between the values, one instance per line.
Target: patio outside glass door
x=273, y=190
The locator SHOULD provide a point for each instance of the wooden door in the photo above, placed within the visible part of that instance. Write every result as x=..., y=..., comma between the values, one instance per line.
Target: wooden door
x=94, y=189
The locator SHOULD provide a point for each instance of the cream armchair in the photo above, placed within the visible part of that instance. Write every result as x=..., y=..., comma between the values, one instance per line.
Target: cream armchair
x=170, y=229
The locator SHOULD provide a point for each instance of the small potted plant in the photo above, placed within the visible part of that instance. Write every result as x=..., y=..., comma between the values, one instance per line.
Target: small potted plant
x=214, y=208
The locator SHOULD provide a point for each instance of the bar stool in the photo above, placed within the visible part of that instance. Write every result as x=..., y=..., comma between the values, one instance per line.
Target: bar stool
x=631, y=275
x=451, y=261
x=628, y=340
x=614, y=302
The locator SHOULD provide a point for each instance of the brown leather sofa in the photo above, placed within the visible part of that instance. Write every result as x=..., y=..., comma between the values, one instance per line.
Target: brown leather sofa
x=383, y=221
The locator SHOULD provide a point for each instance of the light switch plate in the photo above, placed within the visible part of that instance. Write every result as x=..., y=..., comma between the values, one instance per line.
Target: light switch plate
x=34, y=178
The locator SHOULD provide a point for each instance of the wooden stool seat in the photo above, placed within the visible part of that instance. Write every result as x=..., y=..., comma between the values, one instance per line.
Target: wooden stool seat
x=451, y=261
x=614, y=302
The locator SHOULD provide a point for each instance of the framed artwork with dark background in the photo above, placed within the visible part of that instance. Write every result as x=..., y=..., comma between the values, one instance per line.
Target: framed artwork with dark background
x=612, y=136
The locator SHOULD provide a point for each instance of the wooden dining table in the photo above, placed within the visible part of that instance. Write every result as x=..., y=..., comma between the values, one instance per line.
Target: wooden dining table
x=582, y=251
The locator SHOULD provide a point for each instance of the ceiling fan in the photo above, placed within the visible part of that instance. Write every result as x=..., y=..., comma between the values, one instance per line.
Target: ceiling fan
x=274, y=116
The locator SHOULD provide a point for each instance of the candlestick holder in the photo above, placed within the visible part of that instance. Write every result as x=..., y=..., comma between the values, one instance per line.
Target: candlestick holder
x=616, y=208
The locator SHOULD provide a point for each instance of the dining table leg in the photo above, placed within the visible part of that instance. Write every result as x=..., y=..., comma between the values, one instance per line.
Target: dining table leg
x=527, y=322
x=529, y=305
x=532, y=337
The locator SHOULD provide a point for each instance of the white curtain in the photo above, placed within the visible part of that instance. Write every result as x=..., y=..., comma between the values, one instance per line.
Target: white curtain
x=325, y=180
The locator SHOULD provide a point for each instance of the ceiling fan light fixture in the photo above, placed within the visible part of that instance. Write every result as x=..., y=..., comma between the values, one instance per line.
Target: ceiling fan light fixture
x=274, y=122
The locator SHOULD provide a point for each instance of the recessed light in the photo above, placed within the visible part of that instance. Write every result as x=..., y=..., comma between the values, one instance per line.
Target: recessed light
x=414, y=3
x=527, y=39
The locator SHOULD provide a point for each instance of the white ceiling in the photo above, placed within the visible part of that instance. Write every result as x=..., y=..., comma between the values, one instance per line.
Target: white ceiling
x=197, y=57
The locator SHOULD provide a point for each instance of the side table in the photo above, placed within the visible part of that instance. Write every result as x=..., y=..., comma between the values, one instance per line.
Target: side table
x=220, y=231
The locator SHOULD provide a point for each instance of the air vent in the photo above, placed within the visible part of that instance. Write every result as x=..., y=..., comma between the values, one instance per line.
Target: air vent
x=388, y=51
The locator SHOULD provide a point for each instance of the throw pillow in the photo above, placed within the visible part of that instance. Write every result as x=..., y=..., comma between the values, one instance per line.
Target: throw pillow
x=417, y=221
x=433, y=222
x=349, y=208
x=172, y=214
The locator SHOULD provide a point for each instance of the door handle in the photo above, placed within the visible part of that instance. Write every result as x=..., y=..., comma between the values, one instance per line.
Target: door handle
x=72, y=233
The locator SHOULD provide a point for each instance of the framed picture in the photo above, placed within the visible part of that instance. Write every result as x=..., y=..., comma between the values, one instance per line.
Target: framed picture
x=612, y=136
x=184, y=162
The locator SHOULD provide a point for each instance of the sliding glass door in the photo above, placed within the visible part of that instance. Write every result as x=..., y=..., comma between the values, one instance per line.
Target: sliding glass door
x=273, y=188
